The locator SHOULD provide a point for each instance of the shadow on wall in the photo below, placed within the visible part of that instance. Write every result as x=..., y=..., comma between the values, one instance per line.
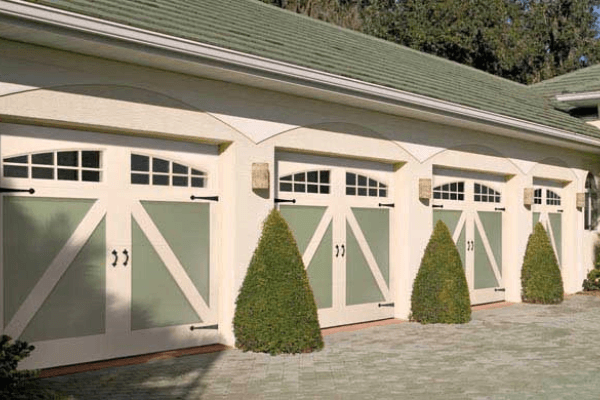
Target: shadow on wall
x=36, y=233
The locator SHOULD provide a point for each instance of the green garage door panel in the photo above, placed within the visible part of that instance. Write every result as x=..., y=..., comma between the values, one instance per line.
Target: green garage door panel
x=156, y=298
x=375, y=226
x=303, y=221
x=451, y=218
x=319, y=271
x=492, y=225
x=484, y=274
x=76, y=306
x=35, y=230
x=556, y=224
x=536, y=218
x=186, y=228
x=361, y=286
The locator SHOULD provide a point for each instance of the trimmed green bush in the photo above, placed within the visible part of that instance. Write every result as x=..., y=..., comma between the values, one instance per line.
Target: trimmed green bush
x=440, y=291
x=541, y=281
x=275, y=309
x=592, y=282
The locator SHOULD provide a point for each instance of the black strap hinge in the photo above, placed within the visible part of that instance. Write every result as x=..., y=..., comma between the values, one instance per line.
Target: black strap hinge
x=194, y=328
x=7, y=190
x=386, y=205
x=385, y=305
x=211, y=198
x=437, y=206
x=500, y=209
x=276, y=200
x=499, y=290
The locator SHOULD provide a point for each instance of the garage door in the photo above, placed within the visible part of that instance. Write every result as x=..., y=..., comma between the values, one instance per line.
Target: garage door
x=547, y=209
x=340, y=212
x=107, y=255
x=472, y=206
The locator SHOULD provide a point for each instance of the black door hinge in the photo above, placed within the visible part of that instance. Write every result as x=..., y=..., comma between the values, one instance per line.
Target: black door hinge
x=194, y=328
x=500, y=209
x=386, y=205
x=276, y=200
x=499, y=290
x=211, y=198
x=385, y=305
x=437, y=206
x=7, y=190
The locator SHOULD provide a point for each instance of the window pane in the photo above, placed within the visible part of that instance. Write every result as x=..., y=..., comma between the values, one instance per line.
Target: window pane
x=285, y=187
x=477, y=197
x=179, y=169
x=12, y=171
x=437, y=195
x=453, y=186
x=162, y=180
x=350, y=179
x=159, y=165
x=382, y=193
x=372, y=183
x=312, y=188
x=140, y=179
x=362, y=191
x=196, y=172
x=312, y=176
x=286, y=178
x=299, y=187
x=19, y=159
x=90, y=176
x=362, y=180
x=299, y=177
x=324, y=176
x=42, y=173
x=461, y=186
x=197, y=182
x=68, y=158
x=445, y=196
x=90, y=159
x=452, y=196
x=140, y=163
x=324, y=189
x=180, y=181
x=350, y=191
x=44, y=159
x=372, y=192
x=68, y=174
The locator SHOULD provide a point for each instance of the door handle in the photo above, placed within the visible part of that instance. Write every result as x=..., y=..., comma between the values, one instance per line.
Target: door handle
x=343, y=250
x=126, y=257
x=337, y=251
x=114, y=253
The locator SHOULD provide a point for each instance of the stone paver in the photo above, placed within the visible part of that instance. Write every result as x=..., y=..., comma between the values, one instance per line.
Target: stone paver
x=519, y=352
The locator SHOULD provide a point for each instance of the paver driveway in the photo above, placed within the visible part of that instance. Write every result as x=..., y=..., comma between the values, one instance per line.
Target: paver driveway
x=517, y=352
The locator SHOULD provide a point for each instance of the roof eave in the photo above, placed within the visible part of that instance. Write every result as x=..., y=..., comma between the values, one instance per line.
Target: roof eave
x=273, y=74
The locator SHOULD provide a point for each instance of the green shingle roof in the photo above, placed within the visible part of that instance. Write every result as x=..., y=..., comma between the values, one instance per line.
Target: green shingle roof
x=582, y=80
x=253, y=27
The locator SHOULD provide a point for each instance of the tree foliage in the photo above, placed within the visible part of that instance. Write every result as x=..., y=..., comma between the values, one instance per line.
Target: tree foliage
x=275, y=309
x=440, y=292
x=523, y=40
x=541, y=281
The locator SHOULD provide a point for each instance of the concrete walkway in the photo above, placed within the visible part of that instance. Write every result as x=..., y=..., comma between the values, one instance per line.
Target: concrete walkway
x=517, y=352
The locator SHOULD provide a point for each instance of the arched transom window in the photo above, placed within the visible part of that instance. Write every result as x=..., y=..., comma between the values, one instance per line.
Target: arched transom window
x=450, y=191
x=68, y=165
x=306, y=182
x=147, y=170
x=361, y=185
x=485, y=194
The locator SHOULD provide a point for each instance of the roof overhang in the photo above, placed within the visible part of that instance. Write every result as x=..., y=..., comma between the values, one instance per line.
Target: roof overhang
x=47, y=26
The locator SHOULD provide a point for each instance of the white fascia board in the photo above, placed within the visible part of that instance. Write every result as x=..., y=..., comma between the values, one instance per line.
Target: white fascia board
x=267, y=68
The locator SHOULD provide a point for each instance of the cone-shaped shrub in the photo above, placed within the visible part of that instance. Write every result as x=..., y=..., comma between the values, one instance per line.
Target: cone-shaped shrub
x=540, y=277
x=275, y=309
x=440, y=292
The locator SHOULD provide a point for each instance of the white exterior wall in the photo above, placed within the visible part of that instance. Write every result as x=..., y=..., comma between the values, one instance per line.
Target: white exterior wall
x=39, y=86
